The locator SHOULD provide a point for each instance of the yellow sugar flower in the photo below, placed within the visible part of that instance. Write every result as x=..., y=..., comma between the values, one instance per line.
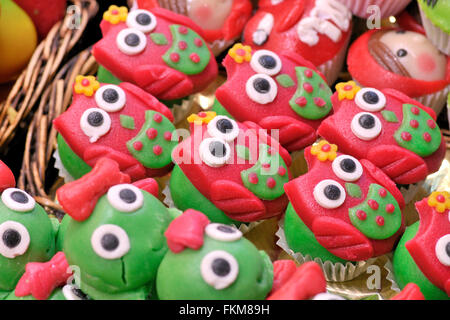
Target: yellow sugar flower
x=439, y=200
x=116, y=14
x=240, y=53
x=347, y=90
x=86, y=85
x=201, y=117
x=324, y=151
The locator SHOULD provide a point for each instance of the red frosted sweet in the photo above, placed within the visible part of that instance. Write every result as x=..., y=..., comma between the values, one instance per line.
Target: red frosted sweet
x=410, y=292
x=7, y=179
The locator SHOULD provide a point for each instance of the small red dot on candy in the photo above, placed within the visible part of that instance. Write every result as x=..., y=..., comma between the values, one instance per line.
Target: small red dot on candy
x=379, y=220
x=361, y=215
x=326, y=148
x=157, y=150
x=427, y=137
x=152, y=133
x=440, y=198
x=175, y=57
x=194, y=57
x=431, y=124
x=308, y=87
x=406, y=136
x=281, y=171
x=301, y=101
x=253, y=178
x=198, y=42
x=414, y=123
x=382, y=192
x=183, y=30
x=348, y=87
x=114, y=12
x=85, y=82
x=270, y=151
x=373, y=204
x=157, y=117
x=182, y=45
x=319, y=102
x=240, y=52
x=202, y=114
x=308, y=73
x=138, y=145
x=415, y=110
x=266, y=166
x=271, y=183
x=168, y=136
x=390, y=208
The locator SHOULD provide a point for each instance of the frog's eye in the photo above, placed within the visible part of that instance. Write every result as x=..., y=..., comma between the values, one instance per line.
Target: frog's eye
x=223, y=232
x=95, y=123
x=110, y=242
x=70, y=292
x=125, y=197
x=110, y=98
x=214, y=152
x=370, y=99
x=366, y=126
x=141, y=20
x=131, y=41
x=18, y=200
x=219, y=269
x=327, y=296
x=329, y=194
x=347, y=168
x=14, y=239
x=442, y=250
x=223, y=128
x=261, y=88
x=266, y=62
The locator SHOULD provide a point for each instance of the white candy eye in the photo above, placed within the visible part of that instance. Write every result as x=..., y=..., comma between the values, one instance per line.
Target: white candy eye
x=223, y=232
x=329, y=194
x=95, y=123
x=18, y=200
x=224, y=128
x=110, y=242
x=110, y=98
x=14, y=239
x=141, y=20
x=366, y=126
x=327, y=296
x=131, y=41
x=219, y=269
x=72, y=293
x=261, y=88
x=214, y=152
x=370, y=99
x=442, y=250
x=266, y=62
x=347, y=168
x=125, y=197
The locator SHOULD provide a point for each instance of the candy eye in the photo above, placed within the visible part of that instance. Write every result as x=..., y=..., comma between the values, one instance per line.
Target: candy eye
x=261, y=88
x=366, y=126
x=131, y=41
x=110, y=242
x=223, y=128
x=70, y=292
x=266, y=62
x=214, y=152
x=14, y=239
x=219, y=269
x=329, y=194
x=110, y=98
x=141, y=20
x=442, y=250
x=125, y=197
x=95, y=123
x=18, y=200
x=223, y=232
x=370, y=99
x=347, y=168
x=402, y=53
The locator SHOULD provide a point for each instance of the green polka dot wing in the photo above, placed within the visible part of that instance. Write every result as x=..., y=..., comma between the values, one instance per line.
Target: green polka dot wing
x=396, y=133
x=121, y=122
x=351, y=207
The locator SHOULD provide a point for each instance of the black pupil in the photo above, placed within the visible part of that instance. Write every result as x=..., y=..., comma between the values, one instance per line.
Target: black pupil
x=371, y=97
x=267, y=62
x=348, y=165
x=261, y=85
x=217, y=149
x=332, y=192
x=224, y=125
x=400, y=31
x=110, y=95
x=367, y=121
x=143, y=19
x=401, y=53
x=132, y=40
x=95, y=119
x=11, y=238
x=221, y=267
x=127, y=195
x=109, y=242
x=447, y=248
x=19, y=197
x=225, y=229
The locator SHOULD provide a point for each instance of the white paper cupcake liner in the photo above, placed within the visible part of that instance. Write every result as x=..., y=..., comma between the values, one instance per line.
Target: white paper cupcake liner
x=387, y=7
x=62, y=171
x=334, y=272
x=437, y=36
x=331, y=68
x=390, y=276
x=435, y=101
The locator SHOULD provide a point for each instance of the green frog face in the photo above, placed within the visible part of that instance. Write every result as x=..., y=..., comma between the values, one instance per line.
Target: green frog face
x=27, y=234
